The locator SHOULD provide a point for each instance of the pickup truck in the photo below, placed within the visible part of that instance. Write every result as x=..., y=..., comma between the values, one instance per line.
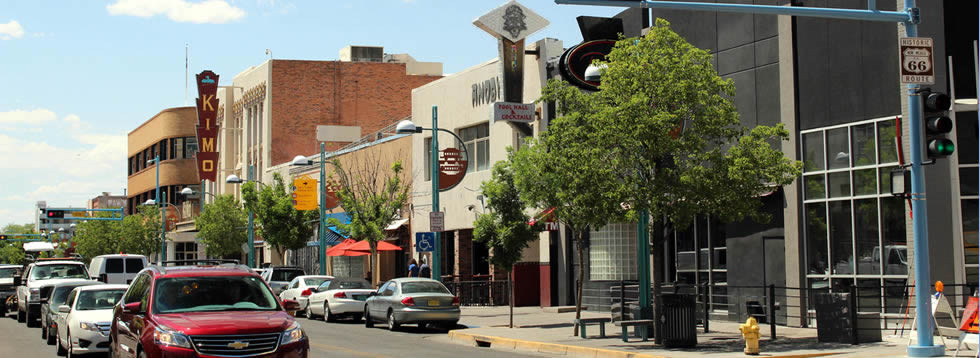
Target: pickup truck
x=39, y=276
x=7, y=287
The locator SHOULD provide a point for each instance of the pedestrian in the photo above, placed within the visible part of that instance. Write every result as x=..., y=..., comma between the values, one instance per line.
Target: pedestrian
x=413, y=268
x=424, y=270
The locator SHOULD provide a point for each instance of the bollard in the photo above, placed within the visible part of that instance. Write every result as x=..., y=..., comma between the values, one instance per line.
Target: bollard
x=750, y=332
x=772, y=312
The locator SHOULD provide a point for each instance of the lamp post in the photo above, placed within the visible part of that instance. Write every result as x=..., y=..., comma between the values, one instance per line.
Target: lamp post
x=163, y=223
x=322, y=208
x=163, y=218
x=250, y=255
x=189, y=191
x=407, y=127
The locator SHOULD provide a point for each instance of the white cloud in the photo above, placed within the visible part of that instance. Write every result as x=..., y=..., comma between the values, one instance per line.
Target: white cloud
x=207, y=11
x=11, y=30
x=74, y=121
x=36, y=116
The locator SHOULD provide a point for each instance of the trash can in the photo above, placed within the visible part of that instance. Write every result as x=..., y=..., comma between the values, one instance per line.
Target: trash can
x=678, y=320
x=837, y=323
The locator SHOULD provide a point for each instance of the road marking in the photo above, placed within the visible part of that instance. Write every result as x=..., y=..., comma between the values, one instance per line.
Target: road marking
x=328, y=348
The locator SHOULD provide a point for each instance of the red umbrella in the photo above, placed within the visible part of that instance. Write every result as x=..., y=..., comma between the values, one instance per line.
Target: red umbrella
x=364, y=246
x=342, y=249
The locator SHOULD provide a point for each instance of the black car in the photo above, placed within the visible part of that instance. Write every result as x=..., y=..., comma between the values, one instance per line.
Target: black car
x=55, y=296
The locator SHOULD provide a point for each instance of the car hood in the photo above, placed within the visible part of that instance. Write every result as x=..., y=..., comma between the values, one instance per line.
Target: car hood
x=95, y=316
x=226, y=323
x=53, y=281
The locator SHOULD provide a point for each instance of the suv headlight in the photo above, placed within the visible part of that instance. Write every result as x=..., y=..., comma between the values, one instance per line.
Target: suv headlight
x=292, y=334
x=35, y=293
x=89, y=326
x=171, y=338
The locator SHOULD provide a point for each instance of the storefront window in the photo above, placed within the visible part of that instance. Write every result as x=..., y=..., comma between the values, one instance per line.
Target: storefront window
x=813, y=151
x=477, y=142
x=612, y=253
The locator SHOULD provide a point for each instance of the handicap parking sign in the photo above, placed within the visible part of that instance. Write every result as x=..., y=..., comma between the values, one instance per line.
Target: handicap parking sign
x=425, y=241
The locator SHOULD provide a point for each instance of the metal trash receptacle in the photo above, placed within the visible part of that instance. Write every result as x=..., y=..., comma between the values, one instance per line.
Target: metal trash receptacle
x=678, y=320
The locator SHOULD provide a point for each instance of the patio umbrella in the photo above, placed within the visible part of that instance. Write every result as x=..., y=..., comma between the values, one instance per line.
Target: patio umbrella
x=341, y=249
x=365, y=246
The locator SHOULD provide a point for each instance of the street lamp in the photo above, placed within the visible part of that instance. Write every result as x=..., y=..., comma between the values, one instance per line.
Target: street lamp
x=321, y=232
x=250, y=255
x=188, y=191
x=408, y=127
x=163, y=218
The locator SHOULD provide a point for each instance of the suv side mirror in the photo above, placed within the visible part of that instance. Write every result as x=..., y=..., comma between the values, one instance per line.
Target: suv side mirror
x=64, y=309
x=290, y=305
x=132, y=308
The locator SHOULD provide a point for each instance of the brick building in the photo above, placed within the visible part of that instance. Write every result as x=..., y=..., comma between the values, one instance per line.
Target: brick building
x=107, y=201
x=270, y=112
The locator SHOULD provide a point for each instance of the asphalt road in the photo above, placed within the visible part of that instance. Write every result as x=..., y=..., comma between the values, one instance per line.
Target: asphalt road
x=340, y=339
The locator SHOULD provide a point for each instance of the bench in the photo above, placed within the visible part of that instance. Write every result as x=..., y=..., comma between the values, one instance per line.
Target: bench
x=640, y=324
x=601, y=321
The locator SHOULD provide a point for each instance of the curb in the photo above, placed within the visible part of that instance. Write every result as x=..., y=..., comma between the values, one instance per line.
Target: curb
x=479, y=340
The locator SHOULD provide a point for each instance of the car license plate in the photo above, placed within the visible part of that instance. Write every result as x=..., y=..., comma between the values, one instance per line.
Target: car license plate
x=433, y=303
x=360, y=297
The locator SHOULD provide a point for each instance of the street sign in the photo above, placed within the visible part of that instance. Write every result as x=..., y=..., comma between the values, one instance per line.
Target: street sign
x=452, y=168
x=425, y=241
x=436, y=223
x=916, y=60
x=513, y=112
x=304, y=193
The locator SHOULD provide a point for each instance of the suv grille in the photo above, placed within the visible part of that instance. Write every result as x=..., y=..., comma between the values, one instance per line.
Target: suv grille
x=225, y=345
x=104, y=328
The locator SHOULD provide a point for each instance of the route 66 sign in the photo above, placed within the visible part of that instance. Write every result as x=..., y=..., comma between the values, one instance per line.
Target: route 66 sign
x=915, y=54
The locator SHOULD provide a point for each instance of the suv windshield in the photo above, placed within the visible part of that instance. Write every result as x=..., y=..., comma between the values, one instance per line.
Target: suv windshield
x=98, y=300
x=423, y=287
x=213, y=293
x=48, y=272
x=285, y=274
x=8, y=272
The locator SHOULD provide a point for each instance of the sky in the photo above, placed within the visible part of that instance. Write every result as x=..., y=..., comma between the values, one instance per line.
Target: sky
x=77, y=75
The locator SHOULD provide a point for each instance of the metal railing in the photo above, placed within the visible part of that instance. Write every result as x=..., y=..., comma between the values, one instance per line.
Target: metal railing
x=480, y=293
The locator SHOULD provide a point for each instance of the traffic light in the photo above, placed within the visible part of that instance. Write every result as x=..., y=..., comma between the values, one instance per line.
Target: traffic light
x=56, y=214
x=3, y=237
x=938, y=124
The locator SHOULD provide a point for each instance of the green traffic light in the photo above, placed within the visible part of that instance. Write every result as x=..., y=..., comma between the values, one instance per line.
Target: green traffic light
x=941, y=147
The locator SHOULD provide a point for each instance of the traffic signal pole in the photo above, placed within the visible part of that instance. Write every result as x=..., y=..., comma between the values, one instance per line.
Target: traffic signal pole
x=924, y=347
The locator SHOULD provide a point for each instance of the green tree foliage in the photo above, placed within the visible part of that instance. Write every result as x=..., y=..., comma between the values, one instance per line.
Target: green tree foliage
x=504, y=228
x=660, y=135
x=98, y=237
x=282, y=226
x=372, y=197
x=141, y=232
x=221, y=226
x=12, y=252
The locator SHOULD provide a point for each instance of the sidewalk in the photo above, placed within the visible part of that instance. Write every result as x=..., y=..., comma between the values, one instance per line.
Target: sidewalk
x=539, y=331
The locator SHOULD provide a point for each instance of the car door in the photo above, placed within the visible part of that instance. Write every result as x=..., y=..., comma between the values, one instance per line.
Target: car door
x=128, y=326
x=376, y=303
x=62, y=318
x=291, y=289
x=318, y=297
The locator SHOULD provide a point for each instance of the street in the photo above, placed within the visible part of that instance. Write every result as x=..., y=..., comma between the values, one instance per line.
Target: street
x=341, y=339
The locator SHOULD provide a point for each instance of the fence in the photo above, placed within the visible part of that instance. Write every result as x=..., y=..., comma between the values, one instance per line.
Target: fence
x=480, y=293
x=873, y=309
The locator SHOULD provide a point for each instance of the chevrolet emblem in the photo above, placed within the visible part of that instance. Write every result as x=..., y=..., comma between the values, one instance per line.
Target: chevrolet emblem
x=238, y=345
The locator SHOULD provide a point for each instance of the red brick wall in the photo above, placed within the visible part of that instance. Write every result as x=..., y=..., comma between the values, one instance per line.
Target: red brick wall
x=304, y=94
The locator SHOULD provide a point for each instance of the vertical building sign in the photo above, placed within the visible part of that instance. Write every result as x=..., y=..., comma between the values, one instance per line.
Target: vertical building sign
x=207, y=126
x=510, y=24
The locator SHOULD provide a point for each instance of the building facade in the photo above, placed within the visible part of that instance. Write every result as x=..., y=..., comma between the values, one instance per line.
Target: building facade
x=108, y=201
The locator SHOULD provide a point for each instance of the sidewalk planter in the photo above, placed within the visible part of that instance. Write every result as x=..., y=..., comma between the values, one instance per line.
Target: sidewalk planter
x=678, y=320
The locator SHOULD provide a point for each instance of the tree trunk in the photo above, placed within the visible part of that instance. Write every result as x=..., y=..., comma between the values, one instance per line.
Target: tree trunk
x=510, y=289
x=579, y=237
x=374, y=264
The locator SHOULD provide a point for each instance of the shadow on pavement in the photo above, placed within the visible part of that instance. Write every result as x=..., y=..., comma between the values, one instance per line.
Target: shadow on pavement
x=736, y=345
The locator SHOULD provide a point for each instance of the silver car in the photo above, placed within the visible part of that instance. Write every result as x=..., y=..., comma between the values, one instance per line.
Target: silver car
x=407, y=300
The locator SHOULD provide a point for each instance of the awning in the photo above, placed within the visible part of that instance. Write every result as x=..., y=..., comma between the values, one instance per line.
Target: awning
x=544, y=215
x=396, y=224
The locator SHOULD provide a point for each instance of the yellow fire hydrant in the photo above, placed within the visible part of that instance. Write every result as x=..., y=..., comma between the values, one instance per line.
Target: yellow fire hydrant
x=750, y=331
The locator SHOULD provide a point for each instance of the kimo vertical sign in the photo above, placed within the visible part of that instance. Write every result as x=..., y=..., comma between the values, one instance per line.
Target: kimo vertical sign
x=207, y=126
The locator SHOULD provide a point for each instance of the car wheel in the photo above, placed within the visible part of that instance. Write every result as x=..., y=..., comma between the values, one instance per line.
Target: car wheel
x=61, y=347
x=327, y=315
x=51, y=336
x=29, y=319
x=357, y=317
x=21, y=317
x=44, y=330
x=367, y=318
x=392, y=324
x=70, y=349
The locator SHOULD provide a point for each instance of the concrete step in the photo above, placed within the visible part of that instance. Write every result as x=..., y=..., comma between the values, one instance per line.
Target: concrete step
x=560, y=309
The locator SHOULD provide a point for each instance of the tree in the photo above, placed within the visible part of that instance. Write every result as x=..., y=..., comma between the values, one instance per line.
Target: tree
x=98, y=237
x=13, y=252
x=372, y=197
x=504, y=228
x=282, y=226
x=670, y=135
x=141, y=231
x=221, y=226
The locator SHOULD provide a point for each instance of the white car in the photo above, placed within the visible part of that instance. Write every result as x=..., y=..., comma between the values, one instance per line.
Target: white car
x=302, y=287
x=83, y=326
x=339, y=297
x=42, y=274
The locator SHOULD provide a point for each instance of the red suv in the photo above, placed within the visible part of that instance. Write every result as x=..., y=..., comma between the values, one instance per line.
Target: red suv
x=204, y=311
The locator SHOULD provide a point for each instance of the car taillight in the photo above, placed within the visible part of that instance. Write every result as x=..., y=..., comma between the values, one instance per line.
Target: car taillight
x=455, y=301
x=306, y=292
x=339, y=295
x=408, y=301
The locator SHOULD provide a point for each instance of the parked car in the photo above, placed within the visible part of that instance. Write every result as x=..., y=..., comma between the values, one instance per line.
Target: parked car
x=279, y=277
x=118, y=268
x=206, y=310
x=7, y=287
x=422, y=301
x=57, y=296
x=300, y=289
x=39, y=275
x=83, y=326
x=339, y=297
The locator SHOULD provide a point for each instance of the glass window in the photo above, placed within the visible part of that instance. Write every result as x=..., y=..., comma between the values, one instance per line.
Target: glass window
x=47, y=272
x=173, y=148
x=8, y=272
x=887, y=151
x=884, y=179
x=969, y=210
x=612, y=252
x=814, y=187
x=477, y=142
x=114, y=265
x=179, y=144
x=966, y=137
x=285, y=274
x=841, y=251
x=838, y=154
x=350, y=284
x=869, y=295
x=190, y=147
x=968, y=181
x=163, y=150
x=212, y=293
x=314, y=281
x=865, y=182
x=863, y=143
x=839, y=184
x=813, y=151
x=866, y=236
x=134, y=265
x=423, y=287
x=98, y=299
x=816, y=238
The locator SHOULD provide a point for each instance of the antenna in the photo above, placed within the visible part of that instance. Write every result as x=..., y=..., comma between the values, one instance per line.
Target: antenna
x=186, y=52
